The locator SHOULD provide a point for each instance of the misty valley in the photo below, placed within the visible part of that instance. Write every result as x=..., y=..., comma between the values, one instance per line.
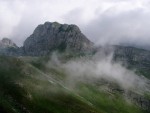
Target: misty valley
x=59, y=70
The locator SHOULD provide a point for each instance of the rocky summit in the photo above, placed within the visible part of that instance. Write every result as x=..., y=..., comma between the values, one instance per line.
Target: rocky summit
x=54, y=36
x=9, y=48
x=5, y=43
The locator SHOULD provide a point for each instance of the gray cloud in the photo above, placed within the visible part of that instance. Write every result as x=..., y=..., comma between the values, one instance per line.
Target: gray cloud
x=127, y=27
x=103, y=21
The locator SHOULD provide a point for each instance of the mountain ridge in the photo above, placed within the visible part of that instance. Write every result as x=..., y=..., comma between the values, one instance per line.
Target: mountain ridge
x=53, y=36
x=41, y=80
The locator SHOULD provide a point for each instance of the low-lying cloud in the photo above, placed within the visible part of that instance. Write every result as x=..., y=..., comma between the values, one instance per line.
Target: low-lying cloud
x=100, y=66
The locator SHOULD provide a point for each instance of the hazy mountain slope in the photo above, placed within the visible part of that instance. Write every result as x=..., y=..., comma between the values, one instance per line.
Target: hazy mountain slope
x=29, y=89
x=76, y=78
x=134, y=58
x=131, y=57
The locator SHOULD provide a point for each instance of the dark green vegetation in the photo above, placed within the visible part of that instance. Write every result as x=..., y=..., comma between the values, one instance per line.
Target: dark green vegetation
x=28, y=86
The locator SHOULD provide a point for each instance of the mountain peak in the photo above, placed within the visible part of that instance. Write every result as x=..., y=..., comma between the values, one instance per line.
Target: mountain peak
x=6, y=42
x=53, y=35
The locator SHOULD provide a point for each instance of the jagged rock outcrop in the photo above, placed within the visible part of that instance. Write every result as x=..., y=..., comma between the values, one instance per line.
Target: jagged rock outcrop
x=51, y=36
x=5, y=43
x=9, y=48
x=135, y=98
x=139, y=100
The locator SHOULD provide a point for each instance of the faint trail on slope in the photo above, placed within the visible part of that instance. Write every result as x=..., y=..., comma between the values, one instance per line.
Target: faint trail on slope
x=53, y=81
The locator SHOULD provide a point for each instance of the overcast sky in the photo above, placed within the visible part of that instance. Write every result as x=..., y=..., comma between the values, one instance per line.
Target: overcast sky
x=102, y=21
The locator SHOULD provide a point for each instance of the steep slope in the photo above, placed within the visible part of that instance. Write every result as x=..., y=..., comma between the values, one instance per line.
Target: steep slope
x=38, y=91
x=25, y=89
x=43, y=85
x=131, y=57
x=54, y=36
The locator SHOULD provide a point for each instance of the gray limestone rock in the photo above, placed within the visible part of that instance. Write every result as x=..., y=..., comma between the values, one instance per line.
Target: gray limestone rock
x=54, y=36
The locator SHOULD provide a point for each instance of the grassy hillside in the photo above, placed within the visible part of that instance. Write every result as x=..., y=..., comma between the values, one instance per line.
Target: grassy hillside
x=28, y=86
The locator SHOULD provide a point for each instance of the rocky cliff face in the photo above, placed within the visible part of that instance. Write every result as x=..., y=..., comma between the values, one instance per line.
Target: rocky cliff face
x=51, y=36
x=137, y=57
x=134, y=58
